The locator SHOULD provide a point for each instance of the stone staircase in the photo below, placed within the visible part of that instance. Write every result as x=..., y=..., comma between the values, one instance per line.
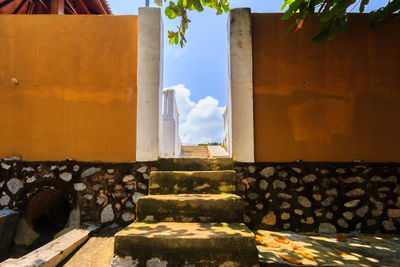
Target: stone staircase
x=190, y=218
x=195, y=152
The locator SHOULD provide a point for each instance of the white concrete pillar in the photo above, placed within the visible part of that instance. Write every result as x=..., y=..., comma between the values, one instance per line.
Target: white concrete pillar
x=170, y=141
x=168, y=103
x=241, y=84
x=149, y=83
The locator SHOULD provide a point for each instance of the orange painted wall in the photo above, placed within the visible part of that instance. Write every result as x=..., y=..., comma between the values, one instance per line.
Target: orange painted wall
x=333, y=101
x=76, y=96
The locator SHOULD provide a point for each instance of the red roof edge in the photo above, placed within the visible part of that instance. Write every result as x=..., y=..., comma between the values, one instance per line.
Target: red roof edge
x=106, y=7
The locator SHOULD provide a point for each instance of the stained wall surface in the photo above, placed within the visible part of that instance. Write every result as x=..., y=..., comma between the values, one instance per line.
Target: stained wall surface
x=337, y=100
x=76, y=91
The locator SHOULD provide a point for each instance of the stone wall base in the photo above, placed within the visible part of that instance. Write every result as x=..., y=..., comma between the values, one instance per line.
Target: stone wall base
x=104, y=192
x=319, y=197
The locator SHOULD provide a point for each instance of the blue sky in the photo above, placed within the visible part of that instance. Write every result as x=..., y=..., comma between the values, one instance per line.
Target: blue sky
x=201, y=65
x=198, y=72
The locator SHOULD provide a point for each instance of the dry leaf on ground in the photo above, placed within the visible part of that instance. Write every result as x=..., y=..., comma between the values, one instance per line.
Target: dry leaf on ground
x=259, y=240
x=295, y=246
x=312, y=234
x=343, y=235
x=290, y=259
x=306, y=255
x=386, y=236
x=282, y=239
x=342, y=253
x=370, y=239
x=271, y=245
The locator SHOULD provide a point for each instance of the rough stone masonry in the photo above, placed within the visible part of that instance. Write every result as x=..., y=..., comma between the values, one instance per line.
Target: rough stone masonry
x=320, y=197
x=104, y=192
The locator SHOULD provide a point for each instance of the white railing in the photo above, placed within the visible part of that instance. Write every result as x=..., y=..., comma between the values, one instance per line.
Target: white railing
x=170, y=142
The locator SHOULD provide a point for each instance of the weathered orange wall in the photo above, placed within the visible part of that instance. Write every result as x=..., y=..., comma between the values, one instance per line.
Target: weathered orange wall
x=76, y=96
x=333, y=101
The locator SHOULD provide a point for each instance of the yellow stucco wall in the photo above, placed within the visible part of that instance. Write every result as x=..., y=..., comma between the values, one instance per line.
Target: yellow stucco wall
x=333, y=101
x=76, y=96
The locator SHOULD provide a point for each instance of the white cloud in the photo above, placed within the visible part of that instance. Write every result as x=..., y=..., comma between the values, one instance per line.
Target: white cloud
x=200, y=122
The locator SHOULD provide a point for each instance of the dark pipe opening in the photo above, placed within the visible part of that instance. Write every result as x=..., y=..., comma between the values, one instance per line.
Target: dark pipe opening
x=48, y=213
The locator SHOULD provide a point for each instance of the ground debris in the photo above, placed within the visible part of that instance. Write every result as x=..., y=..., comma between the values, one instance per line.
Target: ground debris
x=290, y=259
x=325, y=249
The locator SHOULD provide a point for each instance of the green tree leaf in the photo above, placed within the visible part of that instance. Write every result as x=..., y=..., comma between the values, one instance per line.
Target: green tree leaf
x=363, y=4
x=170, y=13
x=332, y=14
x=197, y=5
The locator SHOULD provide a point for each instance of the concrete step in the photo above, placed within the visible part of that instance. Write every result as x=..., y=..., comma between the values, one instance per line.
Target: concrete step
x=98, y=251
x=190, y=208
x=192, y=182
x=194, y=152
x=195, y=165
x=217, y=152
x=185, y=244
